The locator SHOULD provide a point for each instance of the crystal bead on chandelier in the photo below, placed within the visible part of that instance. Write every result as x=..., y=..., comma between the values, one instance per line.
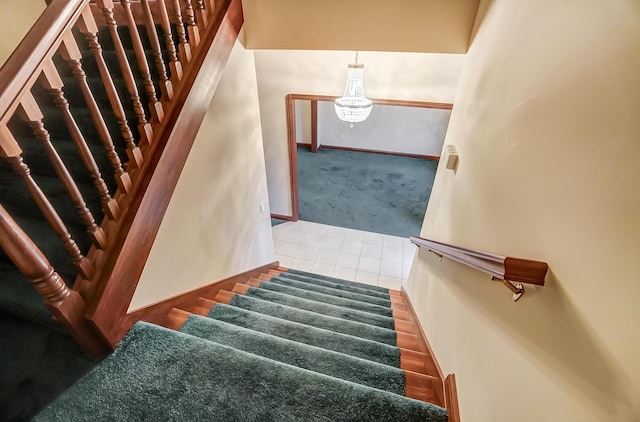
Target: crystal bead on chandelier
x=353, y=106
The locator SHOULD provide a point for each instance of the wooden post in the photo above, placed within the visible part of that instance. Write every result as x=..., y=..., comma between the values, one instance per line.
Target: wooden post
x=314, y=126
x=184, y=49
x=174, y=64
x=31, y=113
x=165, y=84
x=66, y=305
x=145, y=128
x=138, y=48
x=88, y=27
x=52, y=81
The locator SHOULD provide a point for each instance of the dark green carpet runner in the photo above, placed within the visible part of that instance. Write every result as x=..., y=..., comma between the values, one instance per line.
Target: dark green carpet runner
x=250, y=360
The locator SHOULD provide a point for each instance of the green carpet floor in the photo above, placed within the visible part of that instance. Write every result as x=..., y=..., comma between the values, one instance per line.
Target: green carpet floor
x=241, y=364
x=364, y=191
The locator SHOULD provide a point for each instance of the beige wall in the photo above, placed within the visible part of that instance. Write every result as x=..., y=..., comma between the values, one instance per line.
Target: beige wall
x=16, y=19
x=429, y=26
x=213, y=228
x=547, y=127
x=402, y=76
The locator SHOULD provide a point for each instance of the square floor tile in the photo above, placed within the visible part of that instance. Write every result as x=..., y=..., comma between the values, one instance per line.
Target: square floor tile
x=390, y=282
x=367, y=278
x=295, y=237
x=391, y=269
x=351, y=247
x=348, y=261
x=302, y=264
x=391, y=254
x=407, y=258
x=345, y=273
x=276, y=245
x=337, y=232
x=323, y=269
x=319, y=229
x=288, y=249
x=394, y=242
x=279, y=234
x=332, y=243
x=406, y=270
x=369, y=265
x=327, y=256
x=373, y=238
x=301, y=226
x=372, y=251
x=307, y=252
x=354, y=235
x=313, y=239
x=285, y=261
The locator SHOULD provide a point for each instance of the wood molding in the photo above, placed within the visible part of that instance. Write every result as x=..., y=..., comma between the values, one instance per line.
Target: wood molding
x=125, y=258
x=379, y=101
x=451, y=398
x=373, y=151
x=282, y=217
x=293, y=155
x=314, y=126
x=432, y=365
x=189, y=301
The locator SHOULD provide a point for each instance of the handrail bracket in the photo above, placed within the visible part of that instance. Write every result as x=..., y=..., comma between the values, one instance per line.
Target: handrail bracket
x=517, y=289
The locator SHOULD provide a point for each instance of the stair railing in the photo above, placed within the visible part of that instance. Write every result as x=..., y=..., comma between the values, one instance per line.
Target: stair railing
x=505, y=269
x=66, y=305
x=166, y=121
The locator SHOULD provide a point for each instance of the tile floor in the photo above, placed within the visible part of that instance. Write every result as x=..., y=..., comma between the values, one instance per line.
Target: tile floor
x=355, y=255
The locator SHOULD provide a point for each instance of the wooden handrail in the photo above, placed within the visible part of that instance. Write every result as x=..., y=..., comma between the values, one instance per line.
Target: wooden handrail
x=21, y=69
x=505, y=269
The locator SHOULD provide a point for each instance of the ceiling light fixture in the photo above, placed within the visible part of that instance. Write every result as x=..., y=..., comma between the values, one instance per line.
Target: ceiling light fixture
x=353, y=106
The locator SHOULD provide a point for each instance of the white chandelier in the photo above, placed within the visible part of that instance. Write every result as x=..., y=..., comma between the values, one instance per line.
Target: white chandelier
x=353, y=106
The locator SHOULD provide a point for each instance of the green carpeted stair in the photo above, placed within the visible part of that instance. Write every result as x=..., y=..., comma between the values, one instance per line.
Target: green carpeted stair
x=251, y=359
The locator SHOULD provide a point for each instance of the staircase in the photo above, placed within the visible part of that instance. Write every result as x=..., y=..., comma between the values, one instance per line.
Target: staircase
x=288, y=345
x=90, y=103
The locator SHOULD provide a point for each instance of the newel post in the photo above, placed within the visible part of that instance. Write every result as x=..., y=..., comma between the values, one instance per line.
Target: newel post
x=65, y=304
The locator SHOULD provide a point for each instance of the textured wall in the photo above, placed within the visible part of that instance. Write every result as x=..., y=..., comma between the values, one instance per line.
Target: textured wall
x=16, y=19
x=546, y=125
x=213, y=228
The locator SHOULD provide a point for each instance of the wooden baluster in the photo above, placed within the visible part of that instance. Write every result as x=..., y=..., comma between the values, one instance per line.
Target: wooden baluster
x=165, y=84
x=66, y=305
x=31, y=113
x=201, y=14
x=174, y=64
x=192, y=28
x=81, y=263
x=71, y=53
x=154, y=104
x=145, y=128
x=184, y=48
x=88, y=27
x=52, y=81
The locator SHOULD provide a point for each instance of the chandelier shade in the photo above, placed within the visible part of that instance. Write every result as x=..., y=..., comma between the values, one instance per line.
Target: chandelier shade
x=353, y=106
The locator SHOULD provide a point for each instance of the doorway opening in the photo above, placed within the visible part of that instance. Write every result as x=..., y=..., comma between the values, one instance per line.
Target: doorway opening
x=376, y=176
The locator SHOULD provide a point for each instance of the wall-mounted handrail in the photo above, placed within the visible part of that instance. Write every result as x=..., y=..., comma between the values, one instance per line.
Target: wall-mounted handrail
x=505, y=269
